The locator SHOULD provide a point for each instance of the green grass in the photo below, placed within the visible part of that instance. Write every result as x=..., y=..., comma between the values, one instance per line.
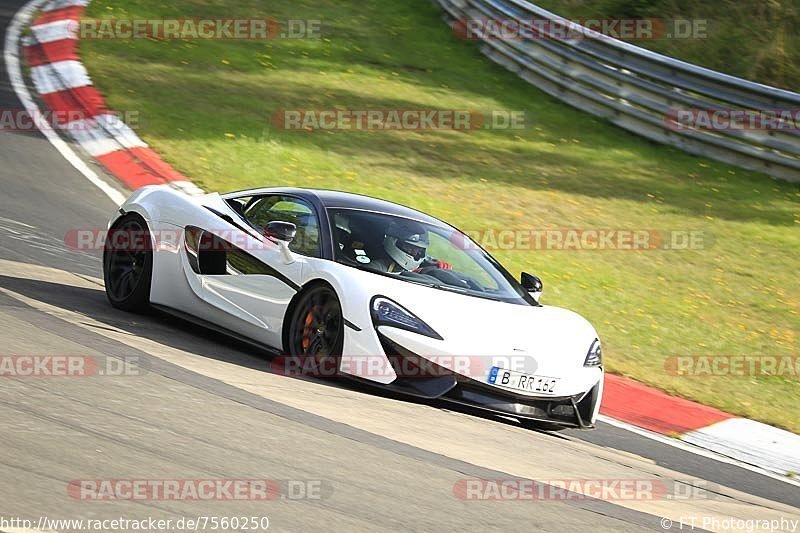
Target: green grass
x=206, y=107
x=752, y=39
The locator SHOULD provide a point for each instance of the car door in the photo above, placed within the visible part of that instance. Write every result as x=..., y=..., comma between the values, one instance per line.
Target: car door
x=251, y=280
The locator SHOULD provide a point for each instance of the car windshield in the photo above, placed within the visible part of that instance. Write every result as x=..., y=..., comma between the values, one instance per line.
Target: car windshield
x=438, y=256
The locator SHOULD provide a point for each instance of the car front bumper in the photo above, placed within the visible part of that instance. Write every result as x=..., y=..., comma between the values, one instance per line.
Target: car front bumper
x=571, y=411
x=577, y=411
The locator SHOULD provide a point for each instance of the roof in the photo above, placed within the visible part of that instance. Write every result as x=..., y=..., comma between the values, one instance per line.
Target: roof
x=331, y=199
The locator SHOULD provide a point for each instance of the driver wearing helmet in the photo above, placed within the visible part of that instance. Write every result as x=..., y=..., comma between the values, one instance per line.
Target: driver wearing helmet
x=406, y=245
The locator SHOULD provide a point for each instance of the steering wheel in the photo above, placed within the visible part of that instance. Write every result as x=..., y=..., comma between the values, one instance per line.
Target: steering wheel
x=453, y=278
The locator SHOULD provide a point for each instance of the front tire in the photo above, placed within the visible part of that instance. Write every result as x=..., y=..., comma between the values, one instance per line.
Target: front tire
x=316, y=330
x=128, y=264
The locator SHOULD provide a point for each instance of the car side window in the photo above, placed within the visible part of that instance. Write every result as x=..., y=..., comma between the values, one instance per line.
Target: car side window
x=260, y=211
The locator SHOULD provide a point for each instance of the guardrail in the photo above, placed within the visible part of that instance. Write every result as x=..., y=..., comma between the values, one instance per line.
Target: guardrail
x=637, y=89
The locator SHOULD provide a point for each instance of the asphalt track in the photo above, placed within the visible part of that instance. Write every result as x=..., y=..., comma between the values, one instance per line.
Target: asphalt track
x=204, y=407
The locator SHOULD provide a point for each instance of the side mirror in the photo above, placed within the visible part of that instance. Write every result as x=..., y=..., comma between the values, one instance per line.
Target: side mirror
x=532, y=284
x=281, y=231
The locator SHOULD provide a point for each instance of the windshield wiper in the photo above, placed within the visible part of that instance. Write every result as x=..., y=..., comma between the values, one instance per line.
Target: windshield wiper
x=468, y=292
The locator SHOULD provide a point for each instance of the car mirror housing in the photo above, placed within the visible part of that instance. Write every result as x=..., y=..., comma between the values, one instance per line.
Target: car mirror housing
x=531, y=284
x=281, y=231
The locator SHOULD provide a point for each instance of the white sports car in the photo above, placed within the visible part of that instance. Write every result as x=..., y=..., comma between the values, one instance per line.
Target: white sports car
x=373, y=290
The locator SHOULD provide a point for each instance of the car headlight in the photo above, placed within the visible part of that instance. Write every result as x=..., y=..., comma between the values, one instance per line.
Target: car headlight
x=388, y=313
x=595, y=355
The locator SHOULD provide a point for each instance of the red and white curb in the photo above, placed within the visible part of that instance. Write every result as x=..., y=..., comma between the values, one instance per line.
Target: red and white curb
x=750, y=442
x=51, y=51
x=64, y=85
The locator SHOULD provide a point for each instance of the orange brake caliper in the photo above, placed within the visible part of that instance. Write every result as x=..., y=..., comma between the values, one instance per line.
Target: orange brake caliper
x=306, y=342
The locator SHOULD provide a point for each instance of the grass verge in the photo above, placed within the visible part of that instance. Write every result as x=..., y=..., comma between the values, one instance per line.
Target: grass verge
x=206, y=107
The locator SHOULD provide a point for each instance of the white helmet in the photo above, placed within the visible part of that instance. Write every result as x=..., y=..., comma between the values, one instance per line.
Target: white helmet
x=406, y=242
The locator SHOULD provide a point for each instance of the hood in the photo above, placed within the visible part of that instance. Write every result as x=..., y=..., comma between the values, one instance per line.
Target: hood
x=543, y=340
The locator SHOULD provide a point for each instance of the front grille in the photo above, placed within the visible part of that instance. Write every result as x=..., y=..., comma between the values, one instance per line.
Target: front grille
x=473, y=392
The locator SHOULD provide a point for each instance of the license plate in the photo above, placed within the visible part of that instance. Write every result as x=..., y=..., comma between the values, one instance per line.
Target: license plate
x=519, y=381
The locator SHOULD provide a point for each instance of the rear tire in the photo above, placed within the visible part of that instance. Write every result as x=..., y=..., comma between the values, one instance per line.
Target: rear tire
x=128, y=264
